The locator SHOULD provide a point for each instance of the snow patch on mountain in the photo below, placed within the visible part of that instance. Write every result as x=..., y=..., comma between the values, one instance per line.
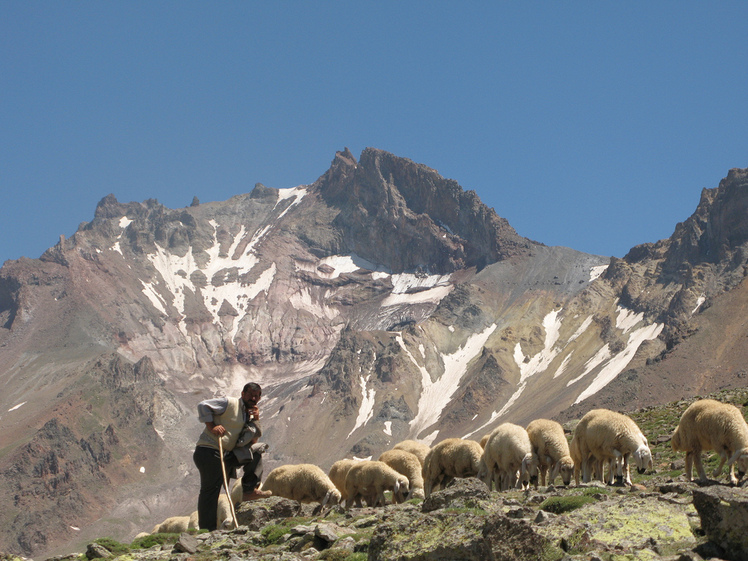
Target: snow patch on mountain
x=626, y=319
x=366, y=410
x=595, y=272
x=176, y=272
x=436, y=395
x=528, y=366
x=620, y=361
x=433, y=295
x=303, y=300
x=699, y=301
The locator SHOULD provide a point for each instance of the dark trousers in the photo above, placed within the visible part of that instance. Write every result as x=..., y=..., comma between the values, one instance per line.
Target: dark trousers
x=208, y=462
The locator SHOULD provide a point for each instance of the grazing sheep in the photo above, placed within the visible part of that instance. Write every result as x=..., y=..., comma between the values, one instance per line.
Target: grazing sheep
x=176, y=524
x=711, y=425
x=305, y=483
x=552, y=450
x=507, y=452
x=583, y=460
x=224, y=515
x=484, y=440
x=370, y=479
x=337, y=474
x=407, y=464
x=608, y=436
x=453, y=457
x=418, y=449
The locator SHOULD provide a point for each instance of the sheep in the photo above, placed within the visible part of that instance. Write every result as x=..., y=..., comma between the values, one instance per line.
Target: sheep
x=711, y=425
x=418, y=449
x=484, y=440
x=609, y=436
x=305, y=483
x=507, y=452
x=337, y=474
x=407, y=464
x=582, y=461
x=176, y=524
x=552, y=450
x=453, y=457
x=370, y=479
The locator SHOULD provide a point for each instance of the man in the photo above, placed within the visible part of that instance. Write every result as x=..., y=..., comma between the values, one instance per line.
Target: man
x=229, y=419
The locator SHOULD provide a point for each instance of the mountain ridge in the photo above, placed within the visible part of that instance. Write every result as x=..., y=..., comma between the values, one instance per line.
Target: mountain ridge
x=378, y=303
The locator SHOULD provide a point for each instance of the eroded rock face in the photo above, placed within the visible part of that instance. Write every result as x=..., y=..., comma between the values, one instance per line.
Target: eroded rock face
x=724, y=517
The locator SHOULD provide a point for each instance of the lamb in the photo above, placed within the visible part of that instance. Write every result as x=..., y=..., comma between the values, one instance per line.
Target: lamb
x=711, y=425
x=337, y=474
x=453, y=457
x=609, y=436
x=407, y=464
x=419, y=449
x=507, y=452
x=552, y=450
x=176, y=524
x=305, y=483
x=370, y=479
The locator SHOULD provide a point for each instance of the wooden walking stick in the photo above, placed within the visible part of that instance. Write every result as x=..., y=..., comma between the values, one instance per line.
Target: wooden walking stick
x=226, y=484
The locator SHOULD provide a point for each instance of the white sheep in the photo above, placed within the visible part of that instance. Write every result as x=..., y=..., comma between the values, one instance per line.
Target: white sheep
x=507, y=453
x=407, y=464
x=451, y=458
x=337, y=473
x=176, y=524
x=370, y=479
x=418, y=449
x=610, y=436
x=305, y=483
x=552, y=450
x=711, y=425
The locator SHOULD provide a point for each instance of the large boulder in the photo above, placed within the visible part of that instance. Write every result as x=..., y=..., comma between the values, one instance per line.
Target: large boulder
x=724, y=518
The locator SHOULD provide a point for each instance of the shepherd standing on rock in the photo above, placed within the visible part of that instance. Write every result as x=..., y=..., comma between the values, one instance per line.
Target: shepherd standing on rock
x=236, y=422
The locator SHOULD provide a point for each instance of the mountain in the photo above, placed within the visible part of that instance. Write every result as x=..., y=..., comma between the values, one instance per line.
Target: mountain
x=379, y=303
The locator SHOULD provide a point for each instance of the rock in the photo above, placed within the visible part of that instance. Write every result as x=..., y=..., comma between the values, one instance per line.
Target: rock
x=256, y=514
x=466, y=493
x=96, y=551
x=459, y=536
x=185, y=544
x=724, y=518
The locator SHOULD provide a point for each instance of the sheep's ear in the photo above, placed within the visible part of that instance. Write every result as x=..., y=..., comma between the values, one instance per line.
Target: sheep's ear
x=397, y=487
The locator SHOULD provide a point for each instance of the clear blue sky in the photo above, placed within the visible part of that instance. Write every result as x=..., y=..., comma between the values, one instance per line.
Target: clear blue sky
x=592, y=125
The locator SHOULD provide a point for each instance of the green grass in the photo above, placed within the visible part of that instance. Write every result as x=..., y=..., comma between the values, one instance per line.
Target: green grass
x=560, y=505
x=113, y=545
x=150, y=540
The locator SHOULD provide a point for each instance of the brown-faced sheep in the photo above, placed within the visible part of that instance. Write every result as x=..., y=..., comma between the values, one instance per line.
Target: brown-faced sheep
x=407, y=464
x=451, y=458
x=305, y=483
x=552, y=450
x=509, y=451
x=711, y=425
x=370, y=479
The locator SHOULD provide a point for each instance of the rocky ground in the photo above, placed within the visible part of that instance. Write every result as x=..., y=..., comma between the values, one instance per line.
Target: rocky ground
x=661, y=516
x=672, y=520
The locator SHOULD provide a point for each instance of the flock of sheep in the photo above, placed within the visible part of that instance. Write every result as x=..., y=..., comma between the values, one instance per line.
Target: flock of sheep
x=509, y=457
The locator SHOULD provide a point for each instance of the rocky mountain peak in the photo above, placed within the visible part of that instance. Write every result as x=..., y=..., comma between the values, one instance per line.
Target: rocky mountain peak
x=413, y=214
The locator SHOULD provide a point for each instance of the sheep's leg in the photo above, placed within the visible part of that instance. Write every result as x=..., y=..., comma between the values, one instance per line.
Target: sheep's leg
x=699, y=466
x=627, y=469
x=723, y=459
x=586, y=470
x=689, y=465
